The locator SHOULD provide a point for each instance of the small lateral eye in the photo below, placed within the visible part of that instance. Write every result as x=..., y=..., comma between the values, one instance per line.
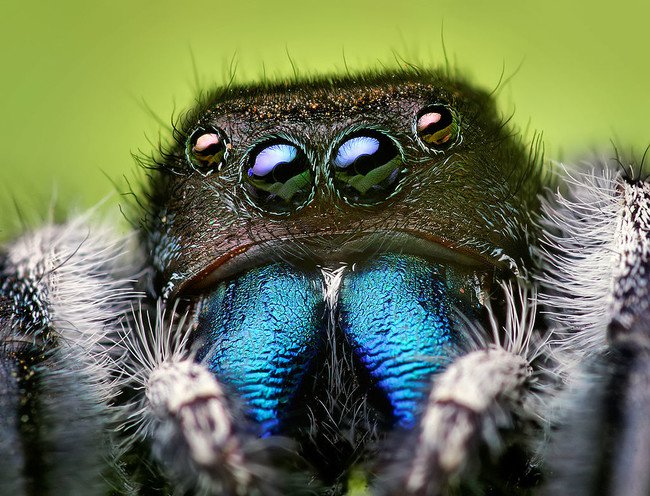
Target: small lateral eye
x=207, y=148
x=437, y=127
x=367, y=168
x=278, y=176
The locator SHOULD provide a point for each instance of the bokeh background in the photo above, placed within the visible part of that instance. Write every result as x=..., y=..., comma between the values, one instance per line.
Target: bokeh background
x=82, y=81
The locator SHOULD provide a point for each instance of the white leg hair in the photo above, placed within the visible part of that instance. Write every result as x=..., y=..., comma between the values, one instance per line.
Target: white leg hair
x=579, y=251
x=83, y=276
x=193, y=416
x=460, y=408
x=596, y=255
x=472, y=399
x=69, y=287
x=183, y=411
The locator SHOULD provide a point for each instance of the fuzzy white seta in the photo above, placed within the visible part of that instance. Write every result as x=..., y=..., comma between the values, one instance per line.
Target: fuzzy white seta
x=71, y=286
x=181, y=408
x=85, y=274
x=580, y=250
x=595, y=252
x=472, y=399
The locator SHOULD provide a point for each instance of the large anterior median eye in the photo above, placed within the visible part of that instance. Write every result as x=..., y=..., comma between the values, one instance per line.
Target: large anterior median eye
x=278, y=176
x=437, y=127
x=367, y=167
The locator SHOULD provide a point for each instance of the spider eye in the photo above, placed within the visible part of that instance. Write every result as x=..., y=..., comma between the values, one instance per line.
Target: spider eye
x=207, y=148
x=437, y=127
x=278, y=177
x=367, y=167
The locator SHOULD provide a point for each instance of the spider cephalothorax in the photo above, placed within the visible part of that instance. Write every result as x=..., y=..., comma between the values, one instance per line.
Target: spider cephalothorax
x=374, y=195
x=341, y=286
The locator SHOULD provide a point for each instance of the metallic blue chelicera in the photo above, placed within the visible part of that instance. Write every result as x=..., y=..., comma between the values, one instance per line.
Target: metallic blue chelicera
x=263, y=328
x=395, y=310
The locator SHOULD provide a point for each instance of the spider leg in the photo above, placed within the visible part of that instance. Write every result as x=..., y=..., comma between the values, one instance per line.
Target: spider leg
x=11, y=469
x=63, y=290
x=185, y=414
x=468, y=403
x=195, y=431
x=601, y=229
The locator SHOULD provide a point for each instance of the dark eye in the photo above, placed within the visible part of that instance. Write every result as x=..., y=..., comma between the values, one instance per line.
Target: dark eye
x=278, y=177
x=367, y=167
x=207, y=148
x=437, y=127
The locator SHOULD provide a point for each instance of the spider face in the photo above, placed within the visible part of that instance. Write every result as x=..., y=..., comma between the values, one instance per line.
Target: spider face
x=324, y=171
x=345, y=291
x=333, y=242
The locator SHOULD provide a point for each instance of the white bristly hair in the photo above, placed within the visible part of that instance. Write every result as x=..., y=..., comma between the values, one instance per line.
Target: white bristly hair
x=86, y=273
x=595, y=245
x=579, y=252
x=75, y=283
x=181, y=407
x=596, y=255
x=474, y=397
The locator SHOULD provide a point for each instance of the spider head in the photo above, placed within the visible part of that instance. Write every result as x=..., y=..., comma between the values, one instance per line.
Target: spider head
x=328, y=235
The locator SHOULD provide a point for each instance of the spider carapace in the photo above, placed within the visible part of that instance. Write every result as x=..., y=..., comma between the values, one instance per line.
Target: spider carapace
x=335, y=285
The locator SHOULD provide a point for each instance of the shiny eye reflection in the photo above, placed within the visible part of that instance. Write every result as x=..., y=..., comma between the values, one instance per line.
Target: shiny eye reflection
x=274, y=160
x=278, y=177
x=207, y=148
x=437, y=127
x=352, y=150
x=367, y=167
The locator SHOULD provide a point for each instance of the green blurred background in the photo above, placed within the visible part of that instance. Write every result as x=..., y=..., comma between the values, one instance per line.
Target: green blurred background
x=78, y=76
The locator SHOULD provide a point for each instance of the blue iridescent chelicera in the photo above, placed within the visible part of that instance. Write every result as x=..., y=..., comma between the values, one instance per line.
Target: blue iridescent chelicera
x=265, y=330
x=367, y=167
x=278, y=176
x=261, y=331
x=396, y=311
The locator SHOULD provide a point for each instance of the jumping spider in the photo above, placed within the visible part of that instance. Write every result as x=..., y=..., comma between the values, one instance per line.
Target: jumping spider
x=338, y=285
